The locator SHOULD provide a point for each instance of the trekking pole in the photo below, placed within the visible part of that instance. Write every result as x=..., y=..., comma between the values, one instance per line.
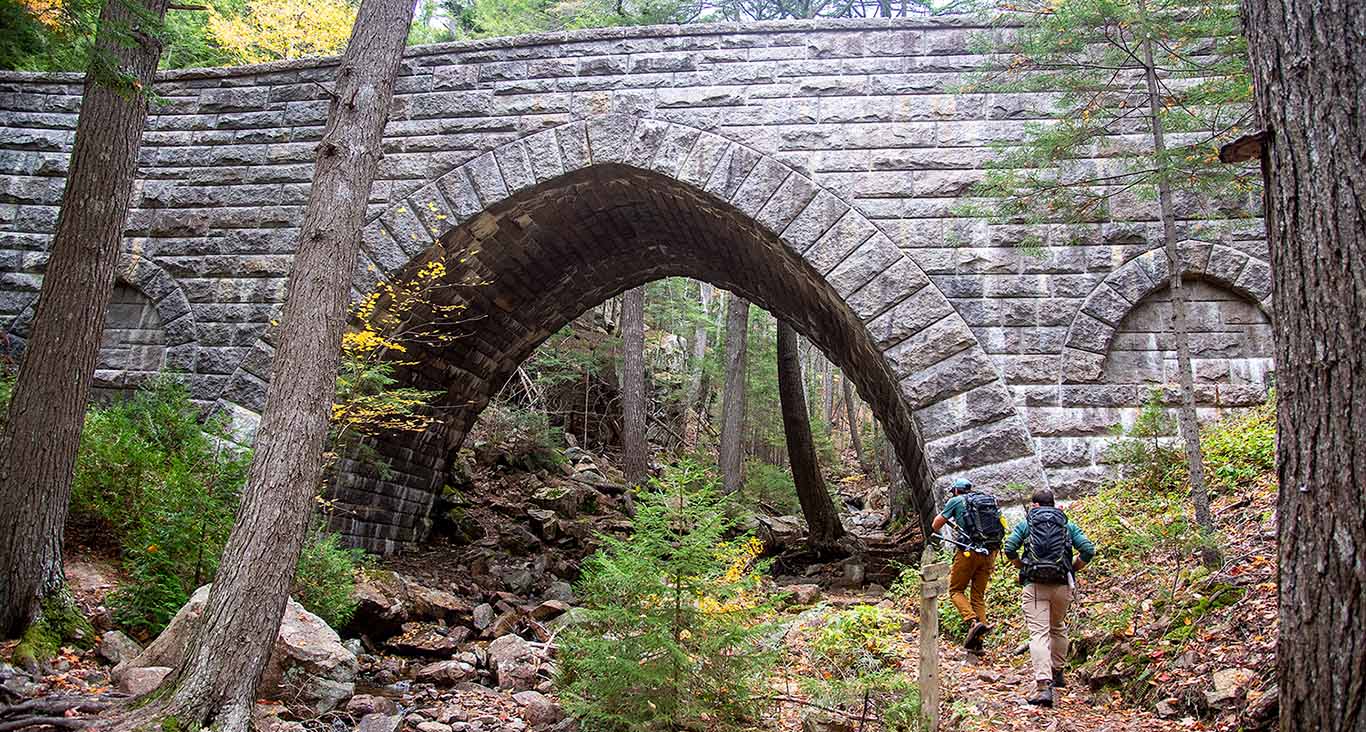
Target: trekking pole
x=972, y=549
x=965, y=547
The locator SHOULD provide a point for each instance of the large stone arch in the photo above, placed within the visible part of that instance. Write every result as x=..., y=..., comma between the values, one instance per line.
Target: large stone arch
x=564, y=218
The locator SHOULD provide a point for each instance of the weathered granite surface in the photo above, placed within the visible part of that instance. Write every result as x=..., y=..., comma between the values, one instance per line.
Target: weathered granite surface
x=812, y=166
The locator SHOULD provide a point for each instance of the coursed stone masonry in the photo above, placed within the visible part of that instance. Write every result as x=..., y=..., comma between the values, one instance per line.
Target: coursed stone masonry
x=812, y=166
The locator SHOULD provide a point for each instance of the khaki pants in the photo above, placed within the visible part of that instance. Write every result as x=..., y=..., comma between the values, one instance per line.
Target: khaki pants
x=971, y=570
x=1045, y=611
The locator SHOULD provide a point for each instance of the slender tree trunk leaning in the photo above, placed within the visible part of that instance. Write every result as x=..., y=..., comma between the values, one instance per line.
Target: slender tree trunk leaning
x=1309, y=82
x=733, y=397
x=1190, y=427
x=47, y=411
x=855, y=439
x=634, y=448
x=692, y=414
x=822, y=519
x=216, y=681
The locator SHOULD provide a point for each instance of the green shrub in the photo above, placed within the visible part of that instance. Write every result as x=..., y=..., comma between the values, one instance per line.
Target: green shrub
x=1243, y=448
x=671, y=629
x=524, y=435
x=326, y=578
x=163, y=486
x=770, y=488
x=856, y=656
x=862, y=636
x=1146, y=450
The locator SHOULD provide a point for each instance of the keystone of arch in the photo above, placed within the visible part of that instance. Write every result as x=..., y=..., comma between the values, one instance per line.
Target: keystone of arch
x=1095, y=324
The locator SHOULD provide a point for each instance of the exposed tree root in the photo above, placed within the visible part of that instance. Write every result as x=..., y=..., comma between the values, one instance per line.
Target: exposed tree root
x=50, y=713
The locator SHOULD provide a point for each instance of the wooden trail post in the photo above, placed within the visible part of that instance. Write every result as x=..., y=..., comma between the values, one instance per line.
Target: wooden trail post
x=934, y=581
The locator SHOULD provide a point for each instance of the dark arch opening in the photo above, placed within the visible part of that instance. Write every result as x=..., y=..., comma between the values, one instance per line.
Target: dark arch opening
x=544, y=256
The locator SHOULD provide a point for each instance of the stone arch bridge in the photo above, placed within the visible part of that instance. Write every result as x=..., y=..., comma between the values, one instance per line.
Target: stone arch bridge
x=811, y=166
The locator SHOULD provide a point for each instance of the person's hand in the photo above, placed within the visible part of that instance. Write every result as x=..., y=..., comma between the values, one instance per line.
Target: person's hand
x=1078, y=565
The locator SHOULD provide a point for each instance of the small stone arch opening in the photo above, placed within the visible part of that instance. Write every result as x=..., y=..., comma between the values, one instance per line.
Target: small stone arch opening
x=539, y=259
x=133, y=345
x=1230, y=336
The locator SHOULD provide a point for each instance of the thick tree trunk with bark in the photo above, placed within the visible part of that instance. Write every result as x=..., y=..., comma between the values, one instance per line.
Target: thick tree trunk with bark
x=635, y=463
x=855, y=439
x=694, y=411
x=733, y=396
x=1190, y=427
x=822, y=519
x=47, y=411
x=1310, y=84
x=216, y=681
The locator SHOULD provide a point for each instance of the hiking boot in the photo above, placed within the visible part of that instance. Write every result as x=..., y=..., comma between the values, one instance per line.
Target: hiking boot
x=1043, y=695
x=1059, y=681
x=975, y=636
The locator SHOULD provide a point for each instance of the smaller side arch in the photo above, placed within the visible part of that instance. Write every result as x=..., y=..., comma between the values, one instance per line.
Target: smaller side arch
x=1093, y=328
x=150, y=285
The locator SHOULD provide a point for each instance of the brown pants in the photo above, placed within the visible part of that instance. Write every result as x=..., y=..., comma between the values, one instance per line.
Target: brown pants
x=971, y=570
x=1045, y=611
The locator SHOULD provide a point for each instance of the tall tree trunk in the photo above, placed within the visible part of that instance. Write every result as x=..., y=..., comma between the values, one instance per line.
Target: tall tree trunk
x=634, y=449
x=822, y=519
x=899, y=507
x=692, y=415
x=1309, y=82
x=1190, y=427
x=47, y=410
x=828, y=393
x=733, y=398
x=855, y=439
x=216, y=681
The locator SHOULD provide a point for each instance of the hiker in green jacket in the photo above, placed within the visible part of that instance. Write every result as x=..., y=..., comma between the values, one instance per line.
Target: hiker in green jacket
x=1041, y=547
x=977, y=522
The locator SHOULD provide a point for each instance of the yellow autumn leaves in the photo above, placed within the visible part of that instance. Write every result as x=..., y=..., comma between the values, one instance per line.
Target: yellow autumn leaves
x=272, y=30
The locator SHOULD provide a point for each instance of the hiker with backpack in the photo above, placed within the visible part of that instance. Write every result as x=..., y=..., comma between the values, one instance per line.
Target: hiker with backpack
x=976, y=519
x=1041, y=547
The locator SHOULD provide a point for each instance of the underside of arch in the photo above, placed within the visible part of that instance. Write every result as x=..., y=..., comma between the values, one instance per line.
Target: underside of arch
x=541, y=229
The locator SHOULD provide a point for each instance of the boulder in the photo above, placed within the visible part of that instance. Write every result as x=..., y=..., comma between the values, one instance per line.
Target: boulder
x=483, y=616
x=380, y=722
x=1230, y=687
x=363, y=704
x=779, y=533
x=514, y=663
x=429, y=604
x=446, y=673
x=428, y=639
x=549, y=609
x=115, y=647
x=537, y=708
x=560, y=590
x=381, y=607
x=308, y=665
x=138, y=681
x=804, y=594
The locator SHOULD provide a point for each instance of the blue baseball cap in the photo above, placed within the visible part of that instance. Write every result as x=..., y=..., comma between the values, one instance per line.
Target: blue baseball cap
x=961, y=485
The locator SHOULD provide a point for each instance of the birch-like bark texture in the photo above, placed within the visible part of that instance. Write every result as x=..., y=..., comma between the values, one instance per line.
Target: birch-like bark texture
x=1310, y=84
x=47, y=410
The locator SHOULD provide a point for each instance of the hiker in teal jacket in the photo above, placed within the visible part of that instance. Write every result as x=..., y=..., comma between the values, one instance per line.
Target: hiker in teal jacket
x=1041, y=546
